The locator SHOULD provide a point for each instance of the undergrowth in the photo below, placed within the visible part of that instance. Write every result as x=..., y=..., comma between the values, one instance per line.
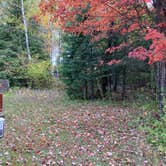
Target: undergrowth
x=153, y=125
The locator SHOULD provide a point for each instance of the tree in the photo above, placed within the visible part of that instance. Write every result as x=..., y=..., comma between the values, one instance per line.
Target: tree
x=26, y=30
x=11, y=63
x=79, y=66
x=13, y=48
x=103, y=16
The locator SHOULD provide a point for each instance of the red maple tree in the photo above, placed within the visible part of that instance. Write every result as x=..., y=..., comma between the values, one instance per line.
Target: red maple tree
x=98, y=17
x=110, y=15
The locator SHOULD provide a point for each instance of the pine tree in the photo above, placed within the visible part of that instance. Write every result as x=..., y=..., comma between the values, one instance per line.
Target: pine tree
x=13, y=46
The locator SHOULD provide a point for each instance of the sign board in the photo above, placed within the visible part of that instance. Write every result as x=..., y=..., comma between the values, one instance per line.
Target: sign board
x=4, y=85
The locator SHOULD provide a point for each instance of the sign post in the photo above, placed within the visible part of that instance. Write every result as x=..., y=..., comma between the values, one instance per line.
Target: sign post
x=1, y=103
x=4, y=86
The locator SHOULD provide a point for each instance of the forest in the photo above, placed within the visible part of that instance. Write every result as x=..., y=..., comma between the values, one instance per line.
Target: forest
x=87, y=73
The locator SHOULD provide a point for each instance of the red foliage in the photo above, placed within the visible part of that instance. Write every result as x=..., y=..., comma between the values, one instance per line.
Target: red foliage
x=109, y=15
x=162, y=25
x=112, y=49
x=139, y=53
x=157, y=50
x=123, y=31
x=148, y=1
x=114, y=61
x=133, y=27
x=153, y=34
x=99, y=16
x=158, y=46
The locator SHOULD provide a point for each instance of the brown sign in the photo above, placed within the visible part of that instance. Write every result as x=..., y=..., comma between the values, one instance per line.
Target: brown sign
x=4, y=85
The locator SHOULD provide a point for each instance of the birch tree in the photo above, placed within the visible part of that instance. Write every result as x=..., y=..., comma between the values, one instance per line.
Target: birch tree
x=26, y=30
x=55, y=49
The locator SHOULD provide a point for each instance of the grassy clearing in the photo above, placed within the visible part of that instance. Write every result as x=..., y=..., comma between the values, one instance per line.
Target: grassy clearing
x=46, y=128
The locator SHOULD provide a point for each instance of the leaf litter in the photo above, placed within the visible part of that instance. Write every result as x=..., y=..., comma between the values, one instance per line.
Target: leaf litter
x=45, y=128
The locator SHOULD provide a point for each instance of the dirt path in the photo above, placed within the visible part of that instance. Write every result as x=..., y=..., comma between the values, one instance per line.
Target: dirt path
x=45, y=128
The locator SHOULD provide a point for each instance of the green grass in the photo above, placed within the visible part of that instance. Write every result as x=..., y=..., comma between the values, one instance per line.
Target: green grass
x=156, y=132
x=47, y=128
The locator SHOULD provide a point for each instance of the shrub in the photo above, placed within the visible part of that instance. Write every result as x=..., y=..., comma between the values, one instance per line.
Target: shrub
x=156, y=132
x=39, y=75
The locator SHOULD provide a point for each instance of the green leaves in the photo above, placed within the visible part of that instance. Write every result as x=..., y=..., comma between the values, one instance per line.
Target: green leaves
x=39, y=74
x=13, y=59
x=157, y=134
x=79, y=61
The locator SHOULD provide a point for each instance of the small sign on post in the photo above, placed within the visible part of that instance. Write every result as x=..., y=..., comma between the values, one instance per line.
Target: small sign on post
x=4, y=86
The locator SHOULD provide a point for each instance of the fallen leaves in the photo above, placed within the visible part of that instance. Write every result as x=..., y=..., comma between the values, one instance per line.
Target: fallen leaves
x=51, y=130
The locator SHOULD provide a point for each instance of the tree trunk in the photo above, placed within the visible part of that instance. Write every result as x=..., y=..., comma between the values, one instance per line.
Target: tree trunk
x=124, y=84
x=115, y=81
x=152, y=78
x=26, y=30
x=55, y=49
x=85, y=90
x=109, y=83
x=162, y=95
x=91, y=89
x=160, y=87
x=99, y=89
x=104, y=85
x=163, y=79
x=160, y=17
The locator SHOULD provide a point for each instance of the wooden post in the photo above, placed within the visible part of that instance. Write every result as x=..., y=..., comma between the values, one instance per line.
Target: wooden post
x=1, y=103
x=1, y=117
x=4, y=86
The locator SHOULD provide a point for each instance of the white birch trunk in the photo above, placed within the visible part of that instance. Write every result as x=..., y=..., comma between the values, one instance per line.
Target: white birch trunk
x=26, y=30
x=55, y=49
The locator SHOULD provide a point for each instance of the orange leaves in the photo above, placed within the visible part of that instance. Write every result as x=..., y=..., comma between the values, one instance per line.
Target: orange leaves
x=158, y=46
x=133, y=27
x=157, y=50
x=112, y=49
x=114, y=61
x=110, y=63
x=98, y=16
x=123, y=31
x=109, y=15
x=154, y=34
x=139, y=53
x=162, y=25
x=148, y=1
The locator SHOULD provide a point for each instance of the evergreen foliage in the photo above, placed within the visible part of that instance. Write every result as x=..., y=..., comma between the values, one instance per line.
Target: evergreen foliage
x=87, y=74
x=13, y=58
x=39, y=74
